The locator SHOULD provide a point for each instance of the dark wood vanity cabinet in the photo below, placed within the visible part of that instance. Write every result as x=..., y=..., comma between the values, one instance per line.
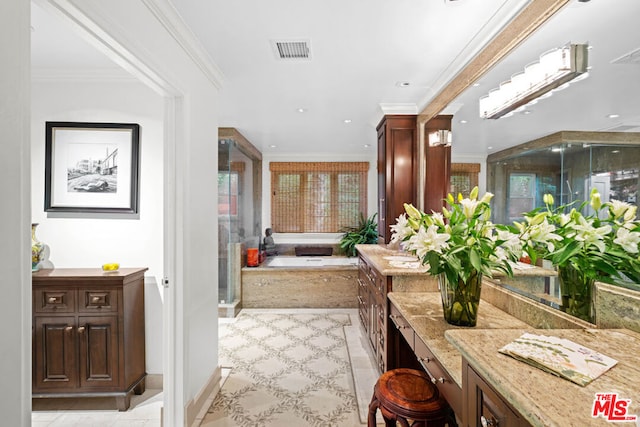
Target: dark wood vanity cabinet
x=397, y=169
x=373, y=309
x=88, y=333
x=484, y=406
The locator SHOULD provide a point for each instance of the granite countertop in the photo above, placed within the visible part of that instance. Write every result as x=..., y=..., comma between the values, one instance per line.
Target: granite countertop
x=423, y=312
x=393, y=262
x=541, y=398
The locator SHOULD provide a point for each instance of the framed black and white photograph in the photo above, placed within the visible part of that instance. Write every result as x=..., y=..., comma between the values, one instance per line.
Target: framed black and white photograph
x=91, y=167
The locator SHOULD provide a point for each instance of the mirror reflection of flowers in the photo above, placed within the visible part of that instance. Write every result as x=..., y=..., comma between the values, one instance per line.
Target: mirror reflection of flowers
x=603, y=246
x=460, y=241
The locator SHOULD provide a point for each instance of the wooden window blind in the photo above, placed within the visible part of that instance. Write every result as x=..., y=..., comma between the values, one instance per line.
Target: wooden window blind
x=464, y=176
x=317, y=197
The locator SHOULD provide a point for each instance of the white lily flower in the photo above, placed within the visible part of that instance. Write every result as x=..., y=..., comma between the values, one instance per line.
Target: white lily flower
x=401, y=229
x=618, y=208
x=629, y=240
x=469, y=207
x=587, y=233
x=427, y=240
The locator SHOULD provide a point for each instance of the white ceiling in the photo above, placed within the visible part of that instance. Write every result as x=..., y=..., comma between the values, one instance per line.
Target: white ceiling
x=361, y=50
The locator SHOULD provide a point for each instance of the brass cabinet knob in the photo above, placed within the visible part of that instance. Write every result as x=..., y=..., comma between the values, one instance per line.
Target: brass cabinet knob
x=95, y=299
x=80, y=329
x=68, y=328
x=53, y=300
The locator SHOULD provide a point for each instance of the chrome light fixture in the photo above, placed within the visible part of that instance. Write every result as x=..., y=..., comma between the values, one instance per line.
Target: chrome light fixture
x=555, y=69
x=440, y=137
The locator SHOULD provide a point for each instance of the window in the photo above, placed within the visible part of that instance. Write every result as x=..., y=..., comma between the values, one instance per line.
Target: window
x=317, y=197
x=464, y=176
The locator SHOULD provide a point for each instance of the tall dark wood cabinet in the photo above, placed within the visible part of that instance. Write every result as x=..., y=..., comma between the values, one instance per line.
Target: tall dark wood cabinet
x=397, y=169
x=88, y=333
x=437, y=160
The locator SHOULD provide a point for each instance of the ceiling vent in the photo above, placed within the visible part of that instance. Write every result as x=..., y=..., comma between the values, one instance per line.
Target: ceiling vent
x=292, y=49
x=632, y=58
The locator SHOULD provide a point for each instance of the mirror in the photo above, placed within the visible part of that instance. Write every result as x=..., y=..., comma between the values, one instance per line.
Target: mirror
x=605, y=101
x=612, y=87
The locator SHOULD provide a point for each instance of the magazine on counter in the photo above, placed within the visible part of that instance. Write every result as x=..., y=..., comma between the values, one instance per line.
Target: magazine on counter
x=560, y=357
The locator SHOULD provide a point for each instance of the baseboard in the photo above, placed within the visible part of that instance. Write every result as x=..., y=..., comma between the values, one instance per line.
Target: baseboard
x=197, y=408
x=154, y=381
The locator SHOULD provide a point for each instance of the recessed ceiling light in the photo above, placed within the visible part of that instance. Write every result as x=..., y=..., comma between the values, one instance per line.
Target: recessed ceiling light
x=489, y=148
x=613, y=116
x=475, y=84
x=301, y=110
x=403, y=84
x=527, y=112
x=367, y=145
x=272, y=146
x=463, y=121
x=347, y=120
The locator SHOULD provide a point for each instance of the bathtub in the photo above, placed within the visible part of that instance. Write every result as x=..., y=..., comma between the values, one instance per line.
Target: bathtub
x=301, y=282
x=309, y=261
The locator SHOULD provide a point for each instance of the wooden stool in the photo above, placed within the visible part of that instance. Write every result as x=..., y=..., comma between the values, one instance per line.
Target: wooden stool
x=407, y=394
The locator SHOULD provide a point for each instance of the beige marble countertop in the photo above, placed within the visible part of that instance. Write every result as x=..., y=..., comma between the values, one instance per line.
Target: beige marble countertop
x=542, y=398
x=391, y=262
x=394, y=262
x=423, y=312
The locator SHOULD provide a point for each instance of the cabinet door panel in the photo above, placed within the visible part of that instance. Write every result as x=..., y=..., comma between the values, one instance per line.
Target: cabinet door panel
x=98, y=351
x=54, y=349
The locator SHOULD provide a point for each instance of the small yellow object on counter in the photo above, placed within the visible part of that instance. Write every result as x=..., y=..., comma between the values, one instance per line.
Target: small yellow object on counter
x=114, y=266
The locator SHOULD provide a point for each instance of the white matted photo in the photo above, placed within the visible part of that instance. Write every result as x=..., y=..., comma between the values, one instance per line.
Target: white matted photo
x=91, y=167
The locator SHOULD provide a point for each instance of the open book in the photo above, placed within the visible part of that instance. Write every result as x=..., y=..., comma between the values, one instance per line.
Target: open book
x=560, y=357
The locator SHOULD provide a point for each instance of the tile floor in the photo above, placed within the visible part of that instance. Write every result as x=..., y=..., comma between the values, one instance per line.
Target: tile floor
x=98, y=412
x=145, y=409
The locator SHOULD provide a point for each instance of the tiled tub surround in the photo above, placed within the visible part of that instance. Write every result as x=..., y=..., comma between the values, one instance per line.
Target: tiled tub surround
x=330, y=286
x=542, y=399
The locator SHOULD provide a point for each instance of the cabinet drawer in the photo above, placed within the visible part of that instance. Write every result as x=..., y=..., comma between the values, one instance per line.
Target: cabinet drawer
x=486, y=406
x=97, y=300
x=401, y=324
x=447, y=387
x=54, y=301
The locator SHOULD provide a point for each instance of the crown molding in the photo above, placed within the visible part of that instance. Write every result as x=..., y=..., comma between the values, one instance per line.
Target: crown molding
x=398, y=108
x=171, y=20
x=91, y=22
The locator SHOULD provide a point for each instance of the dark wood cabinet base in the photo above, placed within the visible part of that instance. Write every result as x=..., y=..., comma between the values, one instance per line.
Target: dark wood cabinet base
x=88, y=334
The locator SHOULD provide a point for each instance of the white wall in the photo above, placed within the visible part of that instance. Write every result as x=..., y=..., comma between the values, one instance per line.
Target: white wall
x=15, y=304
x=370, y=156
x=148, y=39
x=86, y=241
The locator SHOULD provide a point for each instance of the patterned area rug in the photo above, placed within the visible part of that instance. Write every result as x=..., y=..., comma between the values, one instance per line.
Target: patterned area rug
x=286, y=370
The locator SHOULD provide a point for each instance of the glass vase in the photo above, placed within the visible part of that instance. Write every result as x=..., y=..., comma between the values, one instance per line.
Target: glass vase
x=576, y=292
x=37, y=248
x=460, y=300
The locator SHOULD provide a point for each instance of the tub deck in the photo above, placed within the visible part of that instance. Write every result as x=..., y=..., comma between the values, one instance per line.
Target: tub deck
x=309, y=284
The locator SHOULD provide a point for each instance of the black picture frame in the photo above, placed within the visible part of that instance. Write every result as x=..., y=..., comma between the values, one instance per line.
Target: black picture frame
x=92, y=167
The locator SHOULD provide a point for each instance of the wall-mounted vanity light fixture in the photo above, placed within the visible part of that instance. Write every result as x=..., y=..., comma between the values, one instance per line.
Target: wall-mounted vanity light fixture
x=555, y=68
x=440, y=137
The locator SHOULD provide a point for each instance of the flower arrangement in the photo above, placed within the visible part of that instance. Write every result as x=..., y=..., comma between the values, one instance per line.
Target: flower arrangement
x=602, y=246
x=459, y=240
x=460, y=244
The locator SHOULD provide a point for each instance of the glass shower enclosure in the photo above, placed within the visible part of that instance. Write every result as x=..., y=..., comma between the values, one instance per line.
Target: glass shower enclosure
x=239, y=213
